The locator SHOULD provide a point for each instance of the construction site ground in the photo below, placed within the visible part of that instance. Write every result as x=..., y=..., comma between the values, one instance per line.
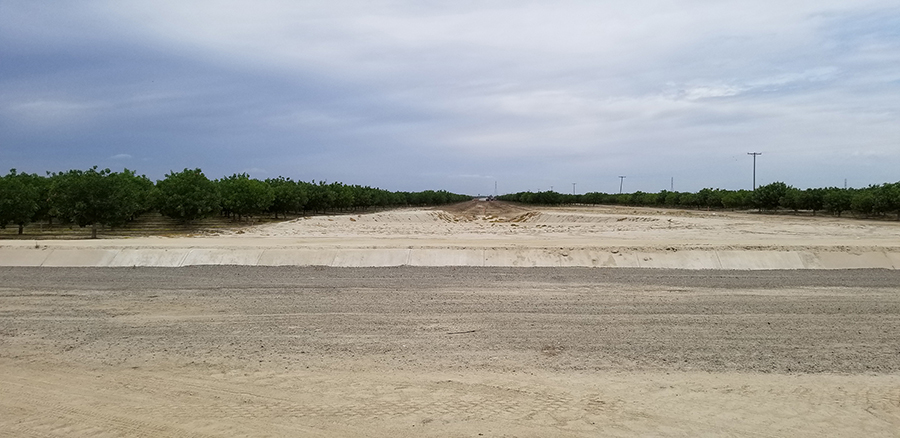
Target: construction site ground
x=527, y=330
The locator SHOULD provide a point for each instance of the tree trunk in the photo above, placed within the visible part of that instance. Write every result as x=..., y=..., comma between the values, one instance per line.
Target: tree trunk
x=20, y=229
x=93, y=231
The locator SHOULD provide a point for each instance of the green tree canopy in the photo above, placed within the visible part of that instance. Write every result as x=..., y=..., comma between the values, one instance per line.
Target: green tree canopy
x=813, y=200
x=863, y=202
x=289, y=196
x=19, y=199
x=244, y=196
x=737, y=199
x=887, y=198
x=187, y=195
x=836, y=201
x=321, y=196
x=768, y=197
x=101, y=197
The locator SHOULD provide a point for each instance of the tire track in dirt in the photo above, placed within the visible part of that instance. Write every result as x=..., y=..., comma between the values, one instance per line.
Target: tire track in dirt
x=173, y=399
x=378, y=399
x=81, y=404
x=497, y=211
x=83, y=413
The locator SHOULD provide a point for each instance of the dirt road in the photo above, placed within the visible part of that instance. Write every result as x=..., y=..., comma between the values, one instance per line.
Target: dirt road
x=252, y=351
x=499, y=210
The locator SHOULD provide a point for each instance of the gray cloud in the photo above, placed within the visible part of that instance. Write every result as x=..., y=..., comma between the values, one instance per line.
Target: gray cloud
x=417, y=95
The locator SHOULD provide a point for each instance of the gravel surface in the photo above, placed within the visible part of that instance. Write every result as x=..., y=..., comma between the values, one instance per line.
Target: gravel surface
x=459, y=318
x=435, y=352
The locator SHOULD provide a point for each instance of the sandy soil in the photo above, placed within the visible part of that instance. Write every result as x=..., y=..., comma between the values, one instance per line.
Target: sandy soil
x=460, y=351
x=498, y=223
x=254, y=351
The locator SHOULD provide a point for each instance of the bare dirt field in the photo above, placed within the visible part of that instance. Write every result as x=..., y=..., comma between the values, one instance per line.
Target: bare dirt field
x=501, y=234
x=448, y=338
x=264, y=351
x=496, y=223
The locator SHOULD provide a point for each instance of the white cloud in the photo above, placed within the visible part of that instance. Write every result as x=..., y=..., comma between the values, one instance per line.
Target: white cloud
x=710, y=91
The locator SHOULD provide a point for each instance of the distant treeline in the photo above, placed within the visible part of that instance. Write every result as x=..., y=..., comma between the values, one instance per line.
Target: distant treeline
x=104, y=198
x=871, y=201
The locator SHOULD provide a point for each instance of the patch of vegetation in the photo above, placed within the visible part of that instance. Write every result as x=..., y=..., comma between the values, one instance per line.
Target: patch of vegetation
x=873, y=201
x=118, y=203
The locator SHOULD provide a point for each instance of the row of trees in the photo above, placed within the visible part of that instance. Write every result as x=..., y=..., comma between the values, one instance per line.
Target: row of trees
x=104, y=198
x=876, y=200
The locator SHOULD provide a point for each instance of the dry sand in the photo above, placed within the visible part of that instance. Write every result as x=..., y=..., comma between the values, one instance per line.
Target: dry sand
x=498, y=223
x=460, y=351
x=501, y=234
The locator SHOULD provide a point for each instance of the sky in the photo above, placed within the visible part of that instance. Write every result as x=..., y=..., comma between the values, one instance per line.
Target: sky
x=458, y=95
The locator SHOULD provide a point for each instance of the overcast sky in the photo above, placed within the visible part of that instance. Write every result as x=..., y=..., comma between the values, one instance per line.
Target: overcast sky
x=458, y=95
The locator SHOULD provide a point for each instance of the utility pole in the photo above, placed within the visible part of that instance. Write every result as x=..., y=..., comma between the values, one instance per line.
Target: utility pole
x=495, y=189
x=621, y=183
x=573, y=188
x=754, y=167
x=672, y=185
